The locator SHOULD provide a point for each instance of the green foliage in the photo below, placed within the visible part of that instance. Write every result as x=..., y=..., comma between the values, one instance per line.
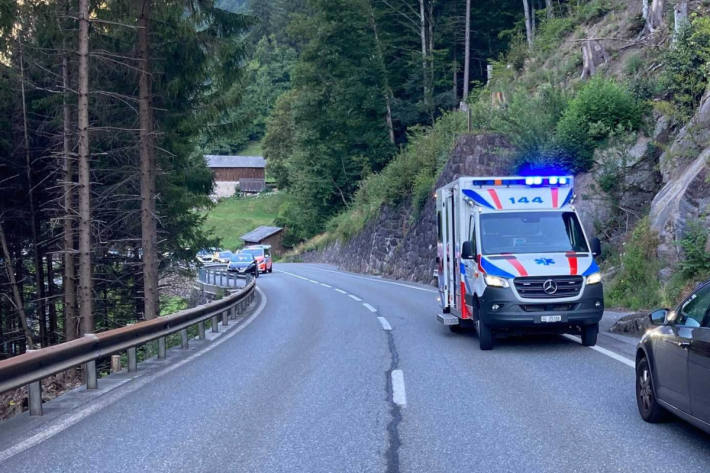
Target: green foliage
x=636, y=285
x=592, y=10
x=600, y=108
x=230, y=218
x=170, y=305
x=411, y=174
x=279, y=141
x=529, y=121
x=687, y=64
x=338, y=114
x=696, y=260
x=551, y=32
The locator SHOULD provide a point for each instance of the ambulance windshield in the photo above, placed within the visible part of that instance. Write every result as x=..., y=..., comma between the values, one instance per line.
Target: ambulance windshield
x=531, y=232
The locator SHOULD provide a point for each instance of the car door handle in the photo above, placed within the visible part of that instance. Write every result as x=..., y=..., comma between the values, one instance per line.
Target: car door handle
x=684, y=344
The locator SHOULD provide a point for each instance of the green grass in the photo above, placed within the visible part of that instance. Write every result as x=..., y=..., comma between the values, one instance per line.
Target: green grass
x=252, y=148
x=233, y=217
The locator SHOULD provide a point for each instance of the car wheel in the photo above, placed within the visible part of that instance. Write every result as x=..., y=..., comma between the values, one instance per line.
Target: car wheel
x=271, y=269
x=589, y=335
x=646, y=401
x=485, y=336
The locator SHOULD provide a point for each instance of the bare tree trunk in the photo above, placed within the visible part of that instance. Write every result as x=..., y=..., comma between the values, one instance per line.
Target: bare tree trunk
x=149, y=227
x=381, y=60
x=431, y=56
x=593, y=55
x=37, y=257
x=680, y=12
x=69, y=278
x=15, y=291
x=51, y=303
x=654, y=16
x=550, y=9
x=467, y=53
x=85, y=282
x=425, y=76
x=528, y=23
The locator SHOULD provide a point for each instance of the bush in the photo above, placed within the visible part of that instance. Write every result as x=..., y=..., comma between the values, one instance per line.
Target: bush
x=601, y=107
x=696, y=261
x=529, y=122
x=685, y=76
x=636, y=285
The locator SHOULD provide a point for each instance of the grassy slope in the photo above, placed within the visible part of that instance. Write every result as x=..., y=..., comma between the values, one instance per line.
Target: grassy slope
x=234, y=217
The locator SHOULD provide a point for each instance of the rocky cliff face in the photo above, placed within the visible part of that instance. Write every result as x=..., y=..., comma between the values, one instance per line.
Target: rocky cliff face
x=402, y=245
x=685, y=196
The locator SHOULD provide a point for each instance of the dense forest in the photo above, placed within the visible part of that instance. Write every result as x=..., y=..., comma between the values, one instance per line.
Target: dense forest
x=103, y=104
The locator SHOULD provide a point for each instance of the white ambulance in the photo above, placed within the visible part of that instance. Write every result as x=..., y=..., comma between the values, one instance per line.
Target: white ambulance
x=512, y=256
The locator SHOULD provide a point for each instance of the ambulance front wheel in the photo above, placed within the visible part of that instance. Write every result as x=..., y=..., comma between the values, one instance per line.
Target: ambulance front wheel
x=485, y=336
x=589, y=335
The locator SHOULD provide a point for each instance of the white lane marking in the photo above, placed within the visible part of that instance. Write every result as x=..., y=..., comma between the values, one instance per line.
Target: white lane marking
x=63, y=423
x=369, y=307
x=355, y=298
x=399, y=394
x=326, y=285
x=385, y=325
x=604, y=351
x=340, y=291
x=314, y=281
x=383, y=281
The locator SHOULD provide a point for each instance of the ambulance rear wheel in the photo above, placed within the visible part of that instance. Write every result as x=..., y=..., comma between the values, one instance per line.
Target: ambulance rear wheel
x=485, y=336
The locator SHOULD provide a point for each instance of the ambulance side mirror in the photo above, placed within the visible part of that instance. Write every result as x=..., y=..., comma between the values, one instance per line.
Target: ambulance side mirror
x=467, y=251
x=596, y=247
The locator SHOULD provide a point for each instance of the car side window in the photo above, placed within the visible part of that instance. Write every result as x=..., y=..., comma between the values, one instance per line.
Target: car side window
x=695, y=311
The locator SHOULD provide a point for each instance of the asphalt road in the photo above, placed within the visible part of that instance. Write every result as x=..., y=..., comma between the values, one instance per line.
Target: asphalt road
x=309, y=387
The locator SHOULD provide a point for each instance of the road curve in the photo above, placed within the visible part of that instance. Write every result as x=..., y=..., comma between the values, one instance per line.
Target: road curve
x=345, y=373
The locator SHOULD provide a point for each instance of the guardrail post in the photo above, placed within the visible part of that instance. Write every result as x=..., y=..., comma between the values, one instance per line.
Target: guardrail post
x=132, y=360
x=185, y=344
x=215, y=324
x=221, y=279
x=91, y=375
x=201, y=329
x=225, y=317
x=161, y=348
x=35, y=394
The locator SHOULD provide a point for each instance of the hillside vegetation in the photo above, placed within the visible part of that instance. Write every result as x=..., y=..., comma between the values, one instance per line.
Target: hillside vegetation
x=555, y=115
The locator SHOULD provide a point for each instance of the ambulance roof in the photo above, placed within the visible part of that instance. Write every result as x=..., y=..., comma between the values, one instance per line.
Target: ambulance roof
x=518, y=192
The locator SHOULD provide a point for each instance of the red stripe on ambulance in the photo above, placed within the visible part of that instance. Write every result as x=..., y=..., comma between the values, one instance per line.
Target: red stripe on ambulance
x=496, y=200
x=572, y=259
x=555, y=197
x=516, y=264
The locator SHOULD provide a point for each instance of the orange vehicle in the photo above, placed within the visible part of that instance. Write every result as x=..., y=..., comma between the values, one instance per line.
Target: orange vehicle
x=262, y=255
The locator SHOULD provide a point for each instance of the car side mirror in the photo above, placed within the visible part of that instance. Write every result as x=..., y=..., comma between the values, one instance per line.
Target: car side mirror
x=658, y=317
x=596, y=247
x=467, y=250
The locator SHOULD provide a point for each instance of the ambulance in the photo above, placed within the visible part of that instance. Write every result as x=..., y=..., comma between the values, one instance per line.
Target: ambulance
x=512, y=256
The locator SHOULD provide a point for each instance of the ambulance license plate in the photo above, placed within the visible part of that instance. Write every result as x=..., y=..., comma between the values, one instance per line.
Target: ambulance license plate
x=551, y=318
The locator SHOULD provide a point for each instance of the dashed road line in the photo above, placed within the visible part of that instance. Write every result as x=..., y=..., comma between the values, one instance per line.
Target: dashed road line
x=399, y=394
x=369, y=307
x=326, y=285
x=340, y=291
x=385, y=324
x=355, y=298
x=378, y=280
x=604, y=351
x=314, y=281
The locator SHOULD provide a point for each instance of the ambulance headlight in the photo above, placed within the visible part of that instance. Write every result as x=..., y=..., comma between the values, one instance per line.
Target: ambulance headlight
x=594, y=278
x=495, y=281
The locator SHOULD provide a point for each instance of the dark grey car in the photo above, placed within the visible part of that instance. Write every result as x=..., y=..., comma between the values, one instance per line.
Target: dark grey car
x=673, y=362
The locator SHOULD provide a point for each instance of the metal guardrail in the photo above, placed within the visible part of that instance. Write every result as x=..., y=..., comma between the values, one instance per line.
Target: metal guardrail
x=30, y=368
x=217, y=276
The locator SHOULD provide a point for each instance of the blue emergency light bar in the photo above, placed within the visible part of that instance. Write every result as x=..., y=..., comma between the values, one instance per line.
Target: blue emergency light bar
x=531, y=181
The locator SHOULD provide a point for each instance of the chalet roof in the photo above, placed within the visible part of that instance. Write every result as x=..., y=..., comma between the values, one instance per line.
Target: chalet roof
x=260, y=233
x=223, y=161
